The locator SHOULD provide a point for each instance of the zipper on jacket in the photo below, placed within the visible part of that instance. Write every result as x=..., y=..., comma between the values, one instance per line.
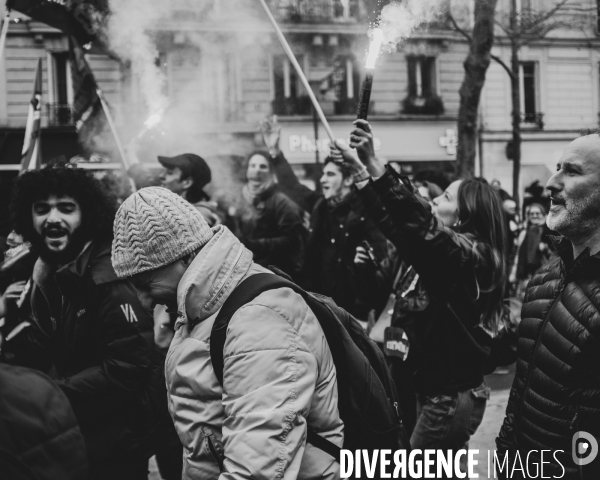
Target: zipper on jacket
x=215, y=454
x=537, y=344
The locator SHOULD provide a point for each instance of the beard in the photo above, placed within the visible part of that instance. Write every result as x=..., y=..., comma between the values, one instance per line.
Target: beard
x=576, y=217
x=75, y=243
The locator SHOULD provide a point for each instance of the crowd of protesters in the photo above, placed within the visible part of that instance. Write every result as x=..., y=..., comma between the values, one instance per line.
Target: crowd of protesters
x=106, y=301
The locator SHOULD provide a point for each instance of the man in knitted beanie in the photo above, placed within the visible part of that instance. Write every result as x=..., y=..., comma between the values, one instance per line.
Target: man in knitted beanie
x=278, y=373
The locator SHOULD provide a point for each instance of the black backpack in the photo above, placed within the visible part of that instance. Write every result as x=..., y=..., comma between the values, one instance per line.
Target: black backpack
x=367, y=399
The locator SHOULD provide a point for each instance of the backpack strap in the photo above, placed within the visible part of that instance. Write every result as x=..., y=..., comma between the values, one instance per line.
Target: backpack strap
x=245, y=292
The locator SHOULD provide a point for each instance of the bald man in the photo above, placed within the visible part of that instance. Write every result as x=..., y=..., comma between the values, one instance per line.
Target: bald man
x=552, y=421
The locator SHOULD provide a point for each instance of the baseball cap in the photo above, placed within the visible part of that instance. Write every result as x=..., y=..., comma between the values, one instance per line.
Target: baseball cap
x=190, y=165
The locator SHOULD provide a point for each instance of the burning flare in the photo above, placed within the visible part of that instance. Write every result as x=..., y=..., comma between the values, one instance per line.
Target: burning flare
x=375, y=47
x=153, y=120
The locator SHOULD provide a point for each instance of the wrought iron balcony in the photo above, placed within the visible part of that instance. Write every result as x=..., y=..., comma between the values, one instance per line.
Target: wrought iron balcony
x=317, y=11
x=533, y=119
x=60, y=115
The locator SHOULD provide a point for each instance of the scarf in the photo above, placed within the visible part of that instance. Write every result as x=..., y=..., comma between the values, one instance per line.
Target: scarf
x=253, y=189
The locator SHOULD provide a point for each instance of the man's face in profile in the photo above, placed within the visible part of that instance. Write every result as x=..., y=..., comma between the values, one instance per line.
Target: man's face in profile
x=575, y=189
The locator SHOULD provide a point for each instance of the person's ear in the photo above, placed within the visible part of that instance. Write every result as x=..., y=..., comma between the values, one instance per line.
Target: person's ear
x=187, y=183
x=348, y=182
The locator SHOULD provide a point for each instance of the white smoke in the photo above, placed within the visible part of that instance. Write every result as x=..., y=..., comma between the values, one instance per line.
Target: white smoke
x=399, y=20
x=128, y=32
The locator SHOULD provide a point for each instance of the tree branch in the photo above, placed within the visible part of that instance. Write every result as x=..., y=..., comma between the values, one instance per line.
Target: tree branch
x=503, y=65
x=458, y=29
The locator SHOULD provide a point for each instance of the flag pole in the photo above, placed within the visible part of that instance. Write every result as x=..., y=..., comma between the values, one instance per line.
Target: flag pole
x=113, y=128
x=4, y=33
x=299, y=71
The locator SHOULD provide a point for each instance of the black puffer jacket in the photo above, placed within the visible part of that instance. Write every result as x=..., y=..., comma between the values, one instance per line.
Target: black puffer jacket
x=556, y=391
x=39, y=435
x=447, y=349
x=271, y=227
x=95, y=338
x=335, y=233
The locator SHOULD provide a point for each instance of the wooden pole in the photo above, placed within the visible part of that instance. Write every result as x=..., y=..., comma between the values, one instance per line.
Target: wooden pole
x=299, y=71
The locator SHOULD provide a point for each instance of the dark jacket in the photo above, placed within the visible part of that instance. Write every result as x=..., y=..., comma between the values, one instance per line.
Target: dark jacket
x=441, y=315
x=335, y=232
x=556, y=391
x=290, y=185
x=271, y=227
x=96, y=339
x=39, y=435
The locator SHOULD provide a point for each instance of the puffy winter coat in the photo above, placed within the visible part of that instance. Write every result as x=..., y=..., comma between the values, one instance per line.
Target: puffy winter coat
x=556, y=391
x=441, y=313
x=39, y=435
x=271, y=227
x=335, y=232
x=96, y=340
x=279, y=377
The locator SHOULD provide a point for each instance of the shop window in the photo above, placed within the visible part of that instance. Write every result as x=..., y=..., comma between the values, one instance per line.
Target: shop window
x=60, y=91
x=422, y=87
x=289, y=97
x=528, y=82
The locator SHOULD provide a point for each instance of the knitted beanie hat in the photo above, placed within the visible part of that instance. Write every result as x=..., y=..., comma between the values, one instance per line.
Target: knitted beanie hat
x=153, y=228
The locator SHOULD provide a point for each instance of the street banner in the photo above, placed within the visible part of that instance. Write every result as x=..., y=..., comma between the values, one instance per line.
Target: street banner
x=83, y=19
x=31, y=154
x=86, y=103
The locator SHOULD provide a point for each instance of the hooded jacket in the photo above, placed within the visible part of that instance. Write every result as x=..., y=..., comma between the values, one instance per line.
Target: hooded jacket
x=442, y=309
x=96, y=340
x=278, y=375
x=556, y=391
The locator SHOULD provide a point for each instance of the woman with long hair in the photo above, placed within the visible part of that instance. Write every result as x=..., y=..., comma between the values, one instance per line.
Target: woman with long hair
x=267, y=221
x=451, y=303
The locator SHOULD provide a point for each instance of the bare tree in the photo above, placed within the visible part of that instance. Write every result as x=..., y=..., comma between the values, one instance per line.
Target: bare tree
x=520, y=27
x=476, y=65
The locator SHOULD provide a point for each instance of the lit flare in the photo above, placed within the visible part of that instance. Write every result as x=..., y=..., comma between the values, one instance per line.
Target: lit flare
x=374, y=47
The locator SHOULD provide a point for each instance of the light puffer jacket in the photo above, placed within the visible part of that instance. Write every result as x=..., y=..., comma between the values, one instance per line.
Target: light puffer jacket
x=278, y=376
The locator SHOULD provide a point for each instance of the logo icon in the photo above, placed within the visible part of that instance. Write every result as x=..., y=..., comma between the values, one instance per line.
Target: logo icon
x=584, y=448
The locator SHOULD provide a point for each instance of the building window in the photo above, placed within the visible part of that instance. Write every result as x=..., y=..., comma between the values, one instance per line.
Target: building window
x=422, y=87
x=346, y=81
x=60, y=90
x=289, y=97
x=528, y=83
x=524, y=5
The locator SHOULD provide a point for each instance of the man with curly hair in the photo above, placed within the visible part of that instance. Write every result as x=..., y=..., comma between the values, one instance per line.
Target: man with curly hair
x=90, y=331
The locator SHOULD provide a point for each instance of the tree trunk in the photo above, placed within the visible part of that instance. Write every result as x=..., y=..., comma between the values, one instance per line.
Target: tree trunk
x=475, y=66
x=516, y=106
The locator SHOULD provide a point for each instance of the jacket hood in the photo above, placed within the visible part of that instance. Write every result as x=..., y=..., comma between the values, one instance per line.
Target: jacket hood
x=217, y=269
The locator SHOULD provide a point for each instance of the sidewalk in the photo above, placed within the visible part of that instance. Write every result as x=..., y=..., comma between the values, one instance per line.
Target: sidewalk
x=484, y=439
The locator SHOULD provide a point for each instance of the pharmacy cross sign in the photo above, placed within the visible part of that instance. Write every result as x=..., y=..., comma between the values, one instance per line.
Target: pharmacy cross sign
x=450, y=141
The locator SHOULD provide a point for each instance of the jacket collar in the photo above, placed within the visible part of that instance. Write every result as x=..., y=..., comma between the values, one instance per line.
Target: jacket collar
x=217, y=269
x=94, y=260
x=572, y=266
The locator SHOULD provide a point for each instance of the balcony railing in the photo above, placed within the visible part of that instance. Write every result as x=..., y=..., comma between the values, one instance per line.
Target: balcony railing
x=533, y=120
x=60, y=115
x=316, y=11
x=287, y=11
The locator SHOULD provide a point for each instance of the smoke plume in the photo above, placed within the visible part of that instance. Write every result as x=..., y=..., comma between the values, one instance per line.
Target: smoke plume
x=399, y=20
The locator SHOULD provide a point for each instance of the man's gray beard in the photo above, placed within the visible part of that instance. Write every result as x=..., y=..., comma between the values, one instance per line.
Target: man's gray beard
x=580, y=219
